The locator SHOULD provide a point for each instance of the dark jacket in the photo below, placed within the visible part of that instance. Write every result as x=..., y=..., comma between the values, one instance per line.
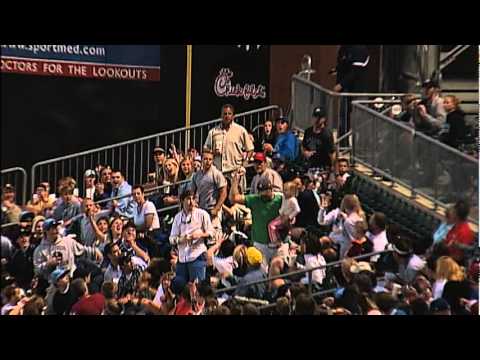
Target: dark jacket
x=21, y=266
x=352, y=61
x=457, y=128
x=308, y=209
x=257, y=291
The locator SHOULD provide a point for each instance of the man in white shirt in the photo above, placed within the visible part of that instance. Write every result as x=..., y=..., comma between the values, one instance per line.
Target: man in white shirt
x=191, y=226
x=113, y=271
x=377, y=234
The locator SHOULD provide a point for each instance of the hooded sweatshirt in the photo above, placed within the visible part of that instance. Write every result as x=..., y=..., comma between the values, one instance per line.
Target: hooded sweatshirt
x=65, y=247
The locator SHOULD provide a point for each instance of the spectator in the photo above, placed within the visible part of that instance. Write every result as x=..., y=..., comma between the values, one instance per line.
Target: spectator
x=21, y=264
x=101, y=232
x=121, y=188
x=304, y=305
x=377, y=234
x=287, y=143
x=446, y=269
x=145, y=214
x=10, y=210
x=431, y=110
x=360, y=244
x=34, y=306
x=267, y=137
x=90, y=178
x=64, y=297
x=263, y=171
x=116, y=229
x=222, y=261
x=100, y=194
x=86, y=220
x=455, y=289
x=287, y=214
x=460, y=238
x=457, y=129
x=210, y=187
x=113, y=271
x=254, y=273
x=351, y=69
x=40, y=202
x=409, y=264
x=440, y=307
x=106, y=180
x=87, y=304
x=13, y=295
x=445, y=227
x=317, y=144
x=187, y=173
x=68, y=208
x=343, y=220
x=129, y=244
x=170, y=176
x=309, y=202
x=190, y=228
x=131, y=273
x=37, y=230
x=228, y=142
x=57, y=250
x=265, y=207
x=159, y=160
x=311, y=248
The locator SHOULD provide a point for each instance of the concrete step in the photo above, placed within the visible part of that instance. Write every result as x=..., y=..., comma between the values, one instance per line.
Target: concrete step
x=459, y=84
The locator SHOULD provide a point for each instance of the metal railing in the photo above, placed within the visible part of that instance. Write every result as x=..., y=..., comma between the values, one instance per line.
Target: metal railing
x=450, y=56
x=17, y=177
x=419, y=162
x=306, y=95
x=307, y=271
x=134, y=157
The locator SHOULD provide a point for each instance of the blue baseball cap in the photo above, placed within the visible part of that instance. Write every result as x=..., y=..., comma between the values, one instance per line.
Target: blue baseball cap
x=57, y=274
x=50, y=223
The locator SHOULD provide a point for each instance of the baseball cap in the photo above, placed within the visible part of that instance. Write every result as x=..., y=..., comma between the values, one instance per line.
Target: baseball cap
x=90, y=173
x=158, y=149
x=396, y=109
x=254, y=256
x=264, y=184
x=319, y=112
x=439, y=304
x=282, y=119
x=259, y=156
x=50, y=223
x=278, y=157
x=430, y=83
x=26, y=216
x=8, y=188
x=57, y=274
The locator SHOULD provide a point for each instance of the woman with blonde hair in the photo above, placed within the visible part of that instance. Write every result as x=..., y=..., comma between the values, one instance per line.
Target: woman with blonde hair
x=171, y=176
x=343, y=220
x=446, y=270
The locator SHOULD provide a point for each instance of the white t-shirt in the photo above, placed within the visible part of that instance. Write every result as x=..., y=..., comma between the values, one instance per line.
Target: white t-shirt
x=379, y=241
x=223, y=265
x=160, y=292
x=289, y=207
x=438, y=286
x=139, y=215
x=312, y=261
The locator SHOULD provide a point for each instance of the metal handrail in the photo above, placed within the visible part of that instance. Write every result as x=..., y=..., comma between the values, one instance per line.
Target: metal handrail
x=24, y=186
x=299, y=272
x=452, y=55
x=149, y=137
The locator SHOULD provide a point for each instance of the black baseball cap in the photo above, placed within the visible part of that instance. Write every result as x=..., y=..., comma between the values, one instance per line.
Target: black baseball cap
x=319, y=112
x=282, y=119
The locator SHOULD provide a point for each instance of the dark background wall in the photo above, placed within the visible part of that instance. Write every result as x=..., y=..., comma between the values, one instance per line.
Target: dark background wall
x=45, y=117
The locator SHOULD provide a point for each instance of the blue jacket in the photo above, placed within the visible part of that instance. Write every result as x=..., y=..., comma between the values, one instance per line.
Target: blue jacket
x=287, y=146
x=124, y=205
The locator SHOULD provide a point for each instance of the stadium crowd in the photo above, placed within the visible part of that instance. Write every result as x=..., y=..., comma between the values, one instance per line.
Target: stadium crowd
x=250, y=208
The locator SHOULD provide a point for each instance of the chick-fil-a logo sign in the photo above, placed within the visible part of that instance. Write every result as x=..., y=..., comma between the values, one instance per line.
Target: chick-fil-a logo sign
x=223, y=87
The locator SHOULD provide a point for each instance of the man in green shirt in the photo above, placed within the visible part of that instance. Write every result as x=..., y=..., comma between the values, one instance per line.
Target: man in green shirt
x=264, y=206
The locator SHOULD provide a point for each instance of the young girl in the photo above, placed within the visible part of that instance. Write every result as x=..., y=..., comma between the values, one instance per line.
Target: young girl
x=288, y=211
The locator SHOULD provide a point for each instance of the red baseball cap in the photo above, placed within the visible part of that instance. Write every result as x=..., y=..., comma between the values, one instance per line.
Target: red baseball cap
x=260, y=156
